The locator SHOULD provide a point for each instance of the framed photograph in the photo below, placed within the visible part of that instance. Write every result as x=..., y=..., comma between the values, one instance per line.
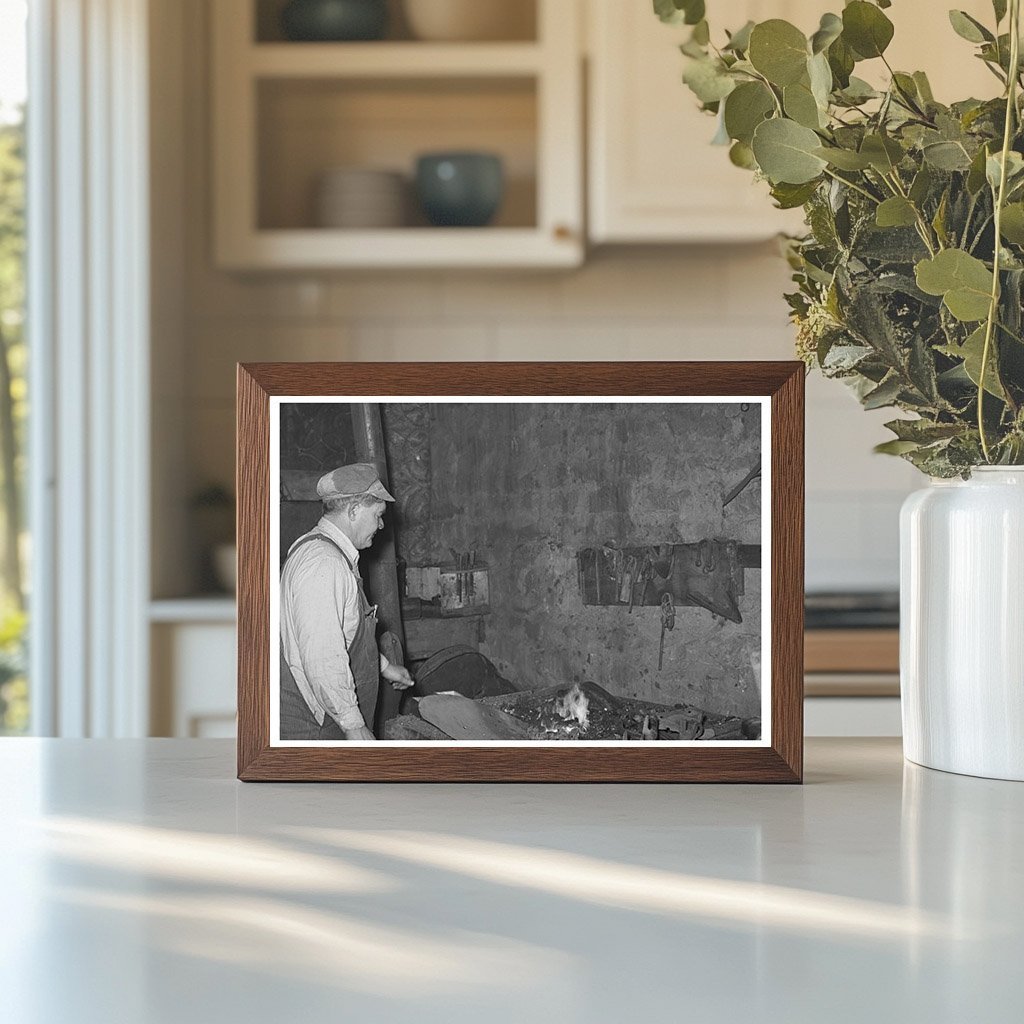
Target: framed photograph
x=520, y=572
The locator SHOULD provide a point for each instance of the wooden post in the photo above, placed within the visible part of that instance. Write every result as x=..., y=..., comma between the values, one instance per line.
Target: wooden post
x=381, y=572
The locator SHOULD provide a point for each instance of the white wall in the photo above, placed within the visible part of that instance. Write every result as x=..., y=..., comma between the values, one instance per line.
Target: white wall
x=720, y=302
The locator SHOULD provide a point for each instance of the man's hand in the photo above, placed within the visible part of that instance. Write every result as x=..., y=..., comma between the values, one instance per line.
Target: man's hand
x=362, y=733
x=398, y=677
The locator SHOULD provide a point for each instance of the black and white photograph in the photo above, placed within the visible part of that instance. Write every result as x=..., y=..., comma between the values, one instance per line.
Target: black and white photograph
x=520, y=571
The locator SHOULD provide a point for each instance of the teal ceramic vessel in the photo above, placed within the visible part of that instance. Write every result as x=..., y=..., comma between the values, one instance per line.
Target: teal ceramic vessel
x=332, y=21
x=460, y=189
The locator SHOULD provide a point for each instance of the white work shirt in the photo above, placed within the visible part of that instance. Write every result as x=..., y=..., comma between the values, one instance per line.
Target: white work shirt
x=319, y=616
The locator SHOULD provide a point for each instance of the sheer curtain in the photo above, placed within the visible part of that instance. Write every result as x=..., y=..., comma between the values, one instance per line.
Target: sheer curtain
x=88, y=301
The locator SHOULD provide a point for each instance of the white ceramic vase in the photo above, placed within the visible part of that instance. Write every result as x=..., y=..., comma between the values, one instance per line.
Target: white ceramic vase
x=962, y=624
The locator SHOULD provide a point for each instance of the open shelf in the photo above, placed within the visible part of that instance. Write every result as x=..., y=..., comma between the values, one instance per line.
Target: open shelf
x=518, y=17
x=306, y=128
x=393, y=60
x=287, y=113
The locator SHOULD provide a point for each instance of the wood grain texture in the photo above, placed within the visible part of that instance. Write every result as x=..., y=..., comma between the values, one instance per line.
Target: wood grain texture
x=642, y=762
x=787, y=572
x=252, y=483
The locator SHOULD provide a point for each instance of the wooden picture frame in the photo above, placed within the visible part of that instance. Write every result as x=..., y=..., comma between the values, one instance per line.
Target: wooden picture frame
x=778, y=387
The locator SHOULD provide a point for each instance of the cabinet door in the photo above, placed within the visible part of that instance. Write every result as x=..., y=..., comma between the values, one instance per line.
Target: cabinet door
x=653, y=174
x=285, y=114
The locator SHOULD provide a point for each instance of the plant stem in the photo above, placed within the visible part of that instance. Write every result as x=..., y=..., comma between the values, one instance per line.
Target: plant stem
x=993, y=309
x=855, y=187
x=768, y=85
x=981, y=231
x=922, y=225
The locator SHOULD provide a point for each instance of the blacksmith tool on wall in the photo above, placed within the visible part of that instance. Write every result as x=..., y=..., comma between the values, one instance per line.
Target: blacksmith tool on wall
x=668, y=621
x=628, y=573
x=752, y=475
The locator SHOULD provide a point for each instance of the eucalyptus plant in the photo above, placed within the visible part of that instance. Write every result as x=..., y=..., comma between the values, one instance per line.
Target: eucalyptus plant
x=910, y=278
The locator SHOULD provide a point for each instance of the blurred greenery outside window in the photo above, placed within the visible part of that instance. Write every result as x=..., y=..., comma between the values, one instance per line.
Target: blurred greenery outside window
x=14, y=551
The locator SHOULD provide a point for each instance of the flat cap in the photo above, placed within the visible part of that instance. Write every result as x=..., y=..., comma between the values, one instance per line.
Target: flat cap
x=351, y=481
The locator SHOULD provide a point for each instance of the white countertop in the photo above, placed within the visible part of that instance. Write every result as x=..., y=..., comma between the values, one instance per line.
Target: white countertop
x=143, y=884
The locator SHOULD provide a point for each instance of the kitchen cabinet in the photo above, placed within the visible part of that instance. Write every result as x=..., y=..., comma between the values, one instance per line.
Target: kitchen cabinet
x=653, y=175
x=286, y=113
x=193, y=655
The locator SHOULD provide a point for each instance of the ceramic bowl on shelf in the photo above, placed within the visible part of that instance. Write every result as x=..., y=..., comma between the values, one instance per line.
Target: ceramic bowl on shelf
x=469, y=20
x=460, y=189
x=361, y=198
x=334, y=20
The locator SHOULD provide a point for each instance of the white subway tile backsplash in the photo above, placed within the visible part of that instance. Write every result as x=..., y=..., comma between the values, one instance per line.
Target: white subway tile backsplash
x=248, y=298
x=718, y=302
x=646, y=285
x=513, y=296
x=703, y=340
x=412, y=296
x=210, y=450
x=577, y=341
x=404, y=342
x=755, y=281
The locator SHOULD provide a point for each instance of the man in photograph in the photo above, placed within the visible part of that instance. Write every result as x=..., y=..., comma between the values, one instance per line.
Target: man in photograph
x=330, y=665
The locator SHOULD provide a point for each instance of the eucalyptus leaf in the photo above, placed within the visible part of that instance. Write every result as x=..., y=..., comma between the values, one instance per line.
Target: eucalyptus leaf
x=972, y=352
x=895, y=212
x=739, y=41
x=969, y=28
x=924, y=88
x=800, y=105
x=785, y=152
x=744, y=67
x=999, y=8
x=745, y=108
x=788, y=196
x=994, y=168
x=884, y=395
x=907, y=89
x=858, y=91
x=721, y=136
x=895, y=447
x=947, y=156
x=779, y=51
x=675, y=12
x=694, y=11
x=963, y=281
x=967, y=304
x=866, y=29
x=741, y=155
x=976, y=173
x=921, y=369
x=1011, y=225
x=883, y=153
x=820, y=76
x=701, y=33
x=923, y=431
x=939, y=220
x=841, y=60
x=921, y=185
x=708, y=81
x=844, y=159
x=829, y=30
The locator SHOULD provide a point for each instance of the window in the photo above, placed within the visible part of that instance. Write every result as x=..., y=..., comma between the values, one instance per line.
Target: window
x=14, y=704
